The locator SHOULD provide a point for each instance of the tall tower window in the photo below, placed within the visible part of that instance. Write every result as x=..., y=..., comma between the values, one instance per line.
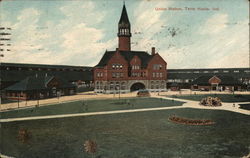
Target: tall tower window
x=124, y=31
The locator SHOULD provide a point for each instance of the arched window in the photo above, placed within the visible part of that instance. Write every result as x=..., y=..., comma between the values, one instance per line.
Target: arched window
x=97, y=85
x=123, y=86
x=157, y=85
x=111, y=85
x=101, y=85
x=162, y=84
x=152, y=84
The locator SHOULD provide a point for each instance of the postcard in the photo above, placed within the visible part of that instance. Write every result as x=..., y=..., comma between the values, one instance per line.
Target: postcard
x=124, y=79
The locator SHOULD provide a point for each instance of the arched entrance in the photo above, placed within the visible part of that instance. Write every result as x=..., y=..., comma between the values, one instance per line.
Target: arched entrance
x=137, y=86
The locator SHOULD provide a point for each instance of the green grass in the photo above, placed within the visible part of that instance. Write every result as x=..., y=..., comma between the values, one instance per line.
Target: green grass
x=245, y=106
x=224, y=97
x=91, y=106
x=132, y=135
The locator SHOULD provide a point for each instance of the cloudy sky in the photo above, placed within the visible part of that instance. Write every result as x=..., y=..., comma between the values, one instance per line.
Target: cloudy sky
x=74, y=32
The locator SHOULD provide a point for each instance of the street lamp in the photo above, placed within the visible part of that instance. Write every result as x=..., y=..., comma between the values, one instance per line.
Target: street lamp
x=118, y=88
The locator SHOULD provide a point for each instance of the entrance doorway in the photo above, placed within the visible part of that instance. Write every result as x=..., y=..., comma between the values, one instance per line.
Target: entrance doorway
x=137, y=86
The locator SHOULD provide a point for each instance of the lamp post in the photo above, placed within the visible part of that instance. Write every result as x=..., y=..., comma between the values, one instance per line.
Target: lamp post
x=38, y=96
x=118, y=88
x=18, y=100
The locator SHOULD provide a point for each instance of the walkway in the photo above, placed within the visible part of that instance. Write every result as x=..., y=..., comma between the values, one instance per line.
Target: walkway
x=87, y=114
x=225, y=106
x=4, y=156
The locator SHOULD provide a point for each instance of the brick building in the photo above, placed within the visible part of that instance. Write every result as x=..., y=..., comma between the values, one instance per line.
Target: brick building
x=216, y=83
x=125, y=70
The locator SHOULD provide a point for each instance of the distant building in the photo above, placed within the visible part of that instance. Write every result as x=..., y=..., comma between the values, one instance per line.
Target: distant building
x=39, y=87
x=216, y=83
x=183, y=78
x=11, y=73
x=124, y=70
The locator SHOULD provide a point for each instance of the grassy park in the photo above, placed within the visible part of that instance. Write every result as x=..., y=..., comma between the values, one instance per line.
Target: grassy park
x=132, y=135
x=83, y=106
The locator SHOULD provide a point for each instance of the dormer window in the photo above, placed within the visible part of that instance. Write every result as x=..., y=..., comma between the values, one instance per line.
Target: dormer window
x=117, y=66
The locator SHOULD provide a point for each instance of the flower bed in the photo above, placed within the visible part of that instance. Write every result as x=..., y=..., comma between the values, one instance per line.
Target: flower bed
x=211, y=101
x=190, y=121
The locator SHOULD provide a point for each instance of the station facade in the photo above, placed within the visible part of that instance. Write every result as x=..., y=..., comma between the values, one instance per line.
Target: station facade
x=125, y=70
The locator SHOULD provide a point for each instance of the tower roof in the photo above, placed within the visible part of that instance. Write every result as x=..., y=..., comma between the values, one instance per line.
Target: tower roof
x=124, y=16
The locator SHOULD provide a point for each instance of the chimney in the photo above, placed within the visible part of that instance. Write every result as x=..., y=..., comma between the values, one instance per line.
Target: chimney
x=153, y=51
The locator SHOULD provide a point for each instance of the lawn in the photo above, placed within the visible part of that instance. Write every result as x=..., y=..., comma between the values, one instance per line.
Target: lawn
x=132, y=135
x=245, y=106
x=91, y=106
x=224, y=97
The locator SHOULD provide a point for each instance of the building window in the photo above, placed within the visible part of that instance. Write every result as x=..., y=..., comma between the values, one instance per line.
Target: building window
x=143, y=74
x=101, y=85
x=97, y=85
x=153, y=74
x=157, y=66
x=160, y=74
x=99, y=74
x=111, y=85
x=162, y=85
x=135, y=67
x=123, y=86
x=117, y=66
x=157, y=74
x=152, y=84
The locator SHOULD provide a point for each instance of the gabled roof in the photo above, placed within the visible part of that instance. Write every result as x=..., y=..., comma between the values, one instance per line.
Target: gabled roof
x=225, y=80
x=36, y=83
x=124, y=16
x=128, y=55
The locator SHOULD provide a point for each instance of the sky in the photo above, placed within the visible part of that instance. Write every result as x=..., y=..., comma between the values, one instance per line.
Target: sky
x=77, y=32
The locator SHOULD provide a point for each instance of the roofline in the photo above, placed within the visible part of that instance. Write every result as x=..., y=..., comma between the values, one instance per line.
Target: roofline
x=209, y=69
x=42, y=65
